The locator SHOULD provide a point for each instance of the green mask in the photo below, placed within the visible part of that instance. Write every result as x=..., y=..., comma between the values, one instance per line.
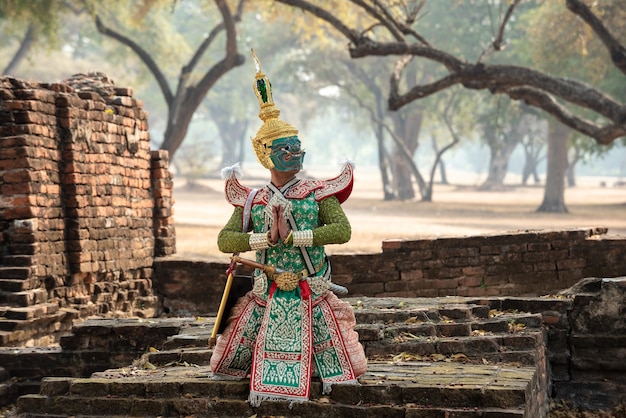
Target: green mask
x=286, y=154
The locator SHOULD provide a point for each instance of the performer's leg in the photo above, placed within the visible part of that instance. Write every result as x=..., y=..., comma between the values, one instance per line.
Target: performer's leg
x=339, y=357
x=232, y=355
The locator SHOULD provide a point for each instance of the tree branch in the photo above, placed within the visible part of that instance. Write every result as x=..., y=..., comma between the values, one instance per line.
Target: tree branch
x=385, y=18
x=352, y=35
x=143, y=55
x=455, y=140
x=232, y=57
x=496, y=78
x=615, y=48
x=535, y=88
x=422, y=90
x=187, y=69
x=496, y=45
x=411, y=16
x=603, y=135
x=25, y=46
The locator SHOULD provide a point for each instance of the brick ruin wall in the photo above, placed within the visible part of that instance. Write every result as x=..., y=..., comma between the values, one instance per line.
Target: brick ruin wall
x=531, y=263
x=85, y=206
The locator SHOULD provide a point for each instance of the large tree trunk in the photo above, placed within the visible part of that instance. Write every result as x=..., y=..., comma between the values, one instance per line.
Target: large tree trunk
x=232, y=134
x=531, y=164
x=384, y=161
x=407, y=127
x=498, y=168
x=402, y=177
x=530, y=169
x=407, y=124
x=554, y=192
x=533, y=140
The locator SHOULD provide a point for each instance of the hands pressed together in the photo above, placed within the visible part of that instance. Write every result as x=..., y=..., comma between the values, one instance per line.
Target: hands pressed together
x=280, y=228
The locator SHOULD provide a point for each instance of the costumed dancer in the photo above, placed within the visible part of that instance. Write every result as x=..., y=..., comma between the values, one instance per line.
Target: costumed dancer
x=290, y=326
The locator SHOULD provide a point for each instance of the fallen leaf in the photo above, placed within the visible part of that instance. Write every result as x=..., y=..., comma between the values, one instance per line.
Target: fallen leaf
x=459, y=357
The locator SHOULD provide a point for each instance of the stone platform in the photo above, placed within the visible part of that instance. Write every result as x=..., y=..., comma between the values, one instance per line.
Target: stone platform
x=432, y=358
x=388, y=389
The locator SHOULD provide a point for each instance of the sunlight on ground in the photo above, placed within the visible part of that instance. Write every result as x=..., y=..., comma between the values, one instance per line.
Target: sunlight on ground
x=456, y=210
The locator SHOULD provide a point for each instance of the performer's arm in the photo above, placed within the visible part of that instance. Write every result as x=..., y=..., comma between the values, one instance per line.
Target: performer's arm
x=231, y=239
x=335, y=227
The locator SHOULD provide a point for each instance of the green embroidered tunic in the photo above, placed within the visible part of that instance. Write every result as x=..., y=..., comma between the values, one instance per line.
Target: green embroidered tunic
x=326, y=219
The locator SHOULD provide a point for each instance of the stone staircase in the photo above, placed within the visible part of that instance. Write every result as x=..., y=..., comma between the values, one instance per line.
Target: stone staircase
x=443, y=357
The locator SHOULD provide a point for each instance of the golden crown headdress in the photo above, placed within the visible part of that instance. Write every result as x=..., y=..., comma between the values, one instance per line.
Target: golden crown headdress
x=272, y=128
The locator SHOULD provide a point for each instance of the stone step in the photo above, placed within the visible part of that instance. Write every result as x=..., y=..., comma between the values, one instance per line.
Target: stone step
x=133, y=334
x=24, y=298
x=507, y=337
x=487, y=349
x=18, y=285
x=504, y=324
x=400, y=389
x=508, y=348
x=441, y=333
x=34, y=363
x=378, y=324
x=402, y=311
x=23, y=319
x=236, y=409
x=196, y=356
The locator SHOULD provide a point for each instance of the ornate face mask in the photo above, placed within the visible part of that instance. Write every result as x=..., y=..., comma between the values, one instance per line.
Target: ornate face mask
x=286, y=154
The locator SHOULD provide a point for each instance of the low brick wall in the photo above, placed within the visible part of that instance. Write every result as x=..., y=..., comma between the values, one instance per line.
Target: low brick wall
x=85, y=206
x=595, y=376
x=517, y=264
x=585, y=340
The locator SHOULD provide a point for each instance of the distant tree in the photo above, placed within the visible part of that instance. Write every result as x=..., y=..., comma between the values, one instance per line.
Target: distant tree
x=392, y=32
x=533, y=143
x=193, y=84
x=27, y=22
x=366, y=83
x=500, y=125
x=580, y=150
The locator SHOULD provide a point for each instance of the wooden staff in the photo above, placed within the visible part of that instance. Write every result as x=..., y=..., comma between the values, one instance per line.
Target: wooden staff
x=267, y=269
x=229, y=282
x=220, y=312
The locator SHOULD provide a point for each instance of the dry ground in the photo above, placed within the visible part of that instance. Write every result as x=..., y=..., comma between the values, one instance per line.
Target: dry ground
x=456, y=210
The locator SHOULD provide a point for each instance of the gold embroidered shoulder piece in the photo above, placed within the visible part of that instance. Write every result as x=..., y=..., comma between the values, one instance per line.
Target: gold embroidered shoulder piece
x=236, y=193
x=340, y=186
